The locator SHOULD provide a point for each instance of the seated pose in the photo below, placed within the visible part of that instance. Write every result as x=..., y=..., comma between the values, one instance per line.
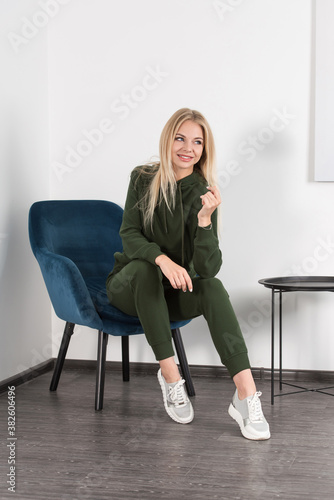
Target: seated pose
x=169, y=262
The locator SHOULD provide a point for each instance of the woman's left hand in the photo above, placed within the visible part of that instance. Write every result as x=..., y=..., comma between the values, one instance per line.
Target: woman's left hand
x=210, y=201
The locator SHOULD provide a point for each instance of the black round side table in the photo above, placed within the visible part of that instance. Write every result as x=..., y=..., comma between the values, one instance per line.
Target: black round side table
x=281, y=285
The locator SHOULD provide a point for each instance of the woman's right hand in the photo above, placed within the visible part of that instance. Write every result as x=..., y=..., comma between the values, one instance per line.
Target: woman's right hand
x=177, y=275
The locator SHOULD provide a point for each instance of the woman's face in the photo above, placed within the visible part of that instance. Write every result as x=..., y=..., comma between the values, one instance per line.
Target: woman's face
x=187, y=148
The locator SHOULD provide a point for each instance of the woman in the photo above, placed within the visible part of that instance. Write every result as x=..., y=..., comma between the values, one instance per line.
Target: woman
x=169, y=261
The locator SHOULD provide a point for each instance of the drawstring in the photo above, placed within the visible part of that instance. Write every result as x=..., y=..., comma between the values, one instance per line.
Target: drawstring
x=165, y=217
x=164, y=210
x=182, y=223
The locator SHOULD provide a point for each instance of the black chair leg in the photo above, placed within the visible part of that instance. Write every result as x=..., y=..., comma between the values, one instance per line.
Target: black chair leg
x=101, y=369
x=125, y=358
x=68, y=332
x=183, y=361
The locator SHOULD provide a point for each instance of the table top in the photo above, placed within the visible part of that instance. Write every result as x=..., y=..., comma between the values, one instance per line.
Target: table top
x=300, y=283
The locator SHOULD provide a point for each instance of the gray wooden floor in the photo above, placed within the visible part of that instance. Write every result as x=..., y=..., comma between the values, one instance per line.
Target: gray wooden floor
x=133, y=450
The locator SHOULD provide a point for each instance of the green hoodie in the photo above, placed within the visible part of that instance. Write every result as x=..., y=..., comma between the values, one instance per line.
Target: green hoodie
x=175, y=234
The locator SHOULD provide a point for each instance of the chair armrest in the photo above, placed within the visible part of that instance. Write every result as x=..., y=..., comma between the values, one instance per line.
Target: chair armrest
x=67, y=290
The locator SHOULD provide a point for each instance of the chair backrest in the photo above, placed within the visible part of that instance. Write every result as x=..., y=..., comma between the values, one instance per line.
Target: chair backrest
x=85, y=231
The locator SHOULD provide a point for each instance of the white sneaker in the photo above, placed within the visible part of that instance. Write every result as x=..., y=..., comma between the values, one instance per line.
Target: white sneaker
x=248, y=413
x=176, y=400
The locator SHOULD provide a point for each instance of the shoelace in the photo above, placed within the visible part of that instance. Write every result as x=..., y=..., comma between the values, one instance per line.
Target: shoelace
x=177, y=394
x=255, y=409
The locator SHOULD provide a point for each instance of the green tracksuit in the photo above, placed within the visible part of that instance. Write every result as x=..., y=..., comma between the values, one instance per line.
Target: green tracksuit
x=137, y=286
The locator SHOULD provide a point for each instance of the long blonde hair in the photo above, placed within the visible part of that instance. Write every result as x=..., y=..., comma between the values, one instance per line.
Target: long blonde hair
x=163, y=183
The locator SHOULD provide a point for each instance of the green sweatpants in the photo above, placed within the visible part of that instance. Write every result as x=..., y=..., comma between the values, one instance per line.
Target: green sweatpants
x=140, y=290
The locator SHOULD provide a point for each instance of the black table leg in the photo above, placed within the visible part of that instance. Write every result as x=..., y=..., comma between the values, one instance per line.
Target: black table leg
x=280, y=341
x=272, y=343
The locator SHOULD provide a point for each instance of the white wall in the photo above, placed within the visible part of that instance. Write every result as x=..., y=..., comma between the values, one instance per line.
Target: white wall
x=25, y=315
x=248, y=66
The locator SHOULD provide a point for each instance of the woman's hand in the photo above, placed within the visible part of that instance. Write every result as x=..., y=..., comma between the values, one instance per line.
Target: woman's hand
x=177, y=275
x=210, y=201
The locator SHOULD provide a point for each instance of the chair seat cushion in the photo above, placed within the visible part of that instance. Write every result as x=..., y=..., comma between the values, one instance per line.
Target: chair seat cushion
x=115, y=322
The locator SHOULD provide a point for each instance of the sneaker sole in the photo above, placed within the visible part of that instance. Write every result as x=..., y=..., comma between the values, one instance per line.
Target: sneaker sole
x=238, y=418
x=172, y=416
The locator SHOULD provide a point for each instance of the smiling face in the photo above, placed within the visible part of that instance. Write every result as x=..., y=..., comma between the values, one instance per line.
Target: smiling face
x=187, y=148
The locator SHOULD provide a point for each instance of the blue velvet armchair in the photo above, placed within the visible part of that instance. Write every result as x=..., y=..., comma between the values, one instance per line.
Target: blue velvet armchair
x=74, y=243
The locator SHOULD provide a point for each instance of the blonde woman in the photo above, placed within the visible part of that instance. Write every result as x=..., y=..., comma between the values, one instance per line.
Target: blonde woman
x=169, y=262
